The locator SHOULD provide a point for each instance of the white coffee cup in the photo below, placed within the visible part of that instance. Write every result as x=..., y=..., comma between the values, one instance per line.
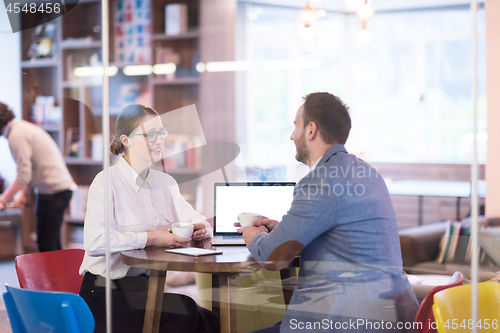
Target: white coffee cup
x=246, y=219
x=183, y=229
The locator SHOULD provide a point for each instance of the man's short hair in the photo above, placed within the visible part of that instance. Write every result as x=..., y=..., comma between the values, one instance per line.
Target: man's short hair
x=6, y=115
x=330, y=115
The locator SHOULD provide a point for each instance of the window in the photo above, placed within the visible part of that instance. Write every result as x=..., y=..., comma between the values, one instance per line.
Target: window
x=408, y=87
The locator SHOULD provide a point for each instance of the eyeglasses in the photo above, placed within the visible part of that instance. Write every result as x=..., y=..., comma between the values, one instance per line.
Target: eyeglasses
x=152, y=136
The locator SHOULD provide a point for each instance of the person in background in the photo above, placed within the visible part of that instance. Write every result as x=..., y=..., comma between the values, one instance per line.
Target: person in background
x=143, y=204
x=40, y=166
x=343, y=225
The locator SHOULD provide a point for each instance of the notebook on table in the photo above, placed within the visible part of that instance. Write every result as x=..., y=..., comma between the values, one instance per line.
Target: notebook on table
x=271, y=199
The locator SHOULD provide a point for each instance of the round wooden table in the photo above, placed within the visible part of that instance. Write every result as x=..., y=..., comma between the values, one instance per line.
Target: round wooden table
x=224, y=268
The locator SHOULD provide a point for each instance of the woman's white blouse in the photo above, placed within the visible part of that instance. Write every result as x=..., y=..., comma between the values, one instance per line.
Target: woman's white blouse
x=136, y=206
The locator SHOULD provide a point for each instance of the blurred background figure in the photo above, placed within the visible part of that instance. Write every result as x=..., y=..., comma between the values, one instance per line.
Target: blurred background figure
x=40, y=166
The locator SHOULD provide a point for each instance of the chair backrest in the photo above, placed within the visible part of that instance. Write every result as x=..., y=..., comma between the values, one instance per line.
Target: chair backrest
x=425, y=317
x=34, y=311
x=51, y=271
x=454, y=306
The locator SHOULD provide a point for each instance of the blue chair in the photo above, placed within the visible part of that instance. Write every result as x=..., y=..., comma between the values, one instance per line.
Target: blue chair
x=33, y=311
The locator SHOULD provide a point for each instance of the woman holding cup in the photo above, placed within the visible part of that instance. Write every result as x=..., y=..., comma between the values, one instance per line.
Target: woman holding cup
x=143, y=205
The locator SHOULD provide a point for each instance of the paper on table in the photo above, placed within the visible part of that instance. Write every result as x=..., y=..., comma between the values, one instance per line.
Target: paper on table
x=193, y=251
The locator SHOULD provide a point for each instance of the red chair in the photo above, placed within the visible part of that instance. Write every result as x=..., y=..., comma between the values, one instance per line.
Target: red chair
x=51, y=271
x=424, y=314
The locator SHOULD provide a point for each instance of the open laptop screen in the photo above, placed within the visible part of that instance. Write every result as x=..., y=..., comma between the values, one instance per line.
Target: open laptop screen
x=271, y=199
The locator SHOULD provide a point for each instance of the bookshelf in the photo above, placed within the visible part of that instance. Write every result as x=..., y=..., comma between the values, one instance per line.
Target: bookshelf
x=77, y=43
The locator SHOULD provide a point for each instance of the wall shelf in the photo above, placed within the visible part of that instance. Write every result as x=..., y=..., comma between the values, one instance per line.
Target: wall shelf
x=82, y=83
x=81, y=161
x=79, y=44
x=177, y=81
x=188, y=35
x=39, y=63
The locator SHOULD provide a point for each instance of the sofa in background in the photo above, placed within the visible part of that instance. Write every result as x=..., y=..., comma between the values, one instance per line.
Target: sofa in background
x=420, y=248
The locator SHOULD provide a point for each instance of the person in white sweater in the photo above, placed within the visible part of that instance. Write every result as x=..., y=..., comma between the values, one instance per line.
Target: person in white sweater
x=40, y=166
x=143, y=204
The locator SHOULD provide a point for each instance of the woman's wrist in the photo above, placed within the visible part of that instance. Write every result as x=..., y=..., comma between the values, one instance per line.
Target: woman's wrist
x=151, y=239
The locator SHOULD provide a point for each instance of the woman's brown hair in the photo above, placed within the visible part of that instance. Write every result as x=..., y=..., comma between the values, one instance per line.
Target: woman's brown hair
x=128, y=120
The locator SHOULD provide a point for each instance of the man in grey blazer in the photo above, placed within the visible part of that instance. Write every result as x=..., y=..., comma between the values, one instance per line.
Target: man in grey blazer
x=343, y=225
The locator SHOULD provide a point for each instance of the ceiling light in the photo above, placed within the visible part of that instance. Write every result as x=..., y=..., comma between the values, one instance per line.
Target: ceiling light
x=291, y=64
x=134, y=70
x=353, y=4
x=307, y=34
x=308, y=15
x=363, y=34
x=227, y=66
x=200, y=67
x=94, y=71
x=365, y=11
x=164, y=68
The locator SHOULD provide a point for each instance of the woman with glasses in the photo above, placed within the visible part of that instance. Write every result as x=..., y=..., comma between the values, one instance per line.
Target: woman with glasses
x=143, y=203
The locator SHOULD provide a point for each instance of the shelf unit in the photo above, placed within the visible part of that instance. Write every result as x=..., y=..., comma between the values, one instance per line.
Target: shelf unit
x=78, y=38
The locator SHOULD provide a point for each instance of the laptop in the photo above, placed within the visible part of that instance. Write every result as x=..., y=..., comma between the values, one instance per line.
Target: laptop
x=271, y=199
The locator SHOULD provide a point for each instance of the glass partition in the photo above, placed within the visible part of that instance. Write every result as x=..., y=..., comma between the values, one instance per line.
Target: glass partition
x=204, y=95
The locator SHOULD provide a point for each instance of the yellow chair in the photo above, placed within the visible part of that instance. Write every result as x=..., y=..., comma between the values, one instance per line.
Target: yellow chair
x=452, y=309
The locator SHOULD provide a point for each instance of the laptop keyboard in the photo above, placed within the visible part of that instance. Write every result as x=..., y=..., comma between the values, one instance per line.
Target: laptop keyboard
x=232, y=237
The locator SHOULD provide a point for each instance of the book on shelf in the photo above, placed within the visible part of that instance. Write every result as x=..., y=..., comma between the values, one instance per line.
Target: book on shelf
x=128, y=94
x=73, y=143
x=70, y=75
x=44, y=112
x=131, y=93
x=96, y=147
x=77, y=42
x=132, y=31
x=166, y=55
x=181, y=152
x=188, y=68
x=79, y=61
x=176, y=19
x=78, y=203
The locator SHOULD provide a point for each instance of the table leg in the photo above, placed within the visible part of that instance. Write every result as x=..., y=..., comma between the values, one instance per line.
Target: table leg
x=288, y=286
x=154, y=301
x=224, y=304
x=458, y=208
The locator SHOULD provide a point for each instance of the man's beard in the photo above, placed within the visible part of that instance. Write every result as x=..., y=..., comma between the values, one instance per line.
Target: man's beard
x=302, y=151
